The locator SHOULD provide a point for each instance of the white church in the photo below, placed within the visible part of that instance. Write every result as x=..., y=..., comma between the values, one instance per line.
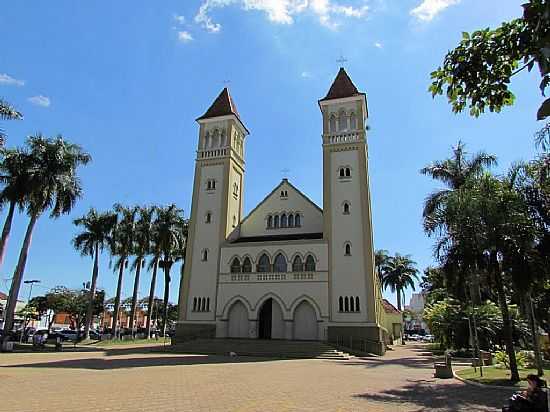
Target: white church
x=289, y=269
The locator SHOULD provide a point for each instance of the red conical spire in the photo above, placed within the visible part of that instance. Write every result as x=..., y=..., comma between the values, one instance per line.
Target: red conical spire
x=342, y=87
x=222, y=106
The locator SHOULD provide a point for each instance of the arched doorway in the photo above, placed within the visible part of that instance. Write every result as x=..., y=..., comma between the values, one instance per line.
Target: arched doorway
x=270, y=321
x=238, y=321
x=264, y=320
x=305, y=322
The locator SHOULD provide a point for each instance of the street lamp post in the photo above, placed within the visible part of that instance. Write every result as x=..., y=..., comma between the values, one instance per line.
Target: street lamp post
x=28, y=282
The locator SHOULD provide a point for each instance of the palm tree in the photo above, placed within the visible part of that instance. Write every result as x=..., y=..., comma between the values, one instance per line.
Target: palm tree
x=381, y=257
x=122, y=248
x=169, y=227
x=53, y=184
x=15, y=169
x=142, y=246
x=400, y=274
x=96, y=234
x=454, y=172
x=155, y=252
x=7, y=112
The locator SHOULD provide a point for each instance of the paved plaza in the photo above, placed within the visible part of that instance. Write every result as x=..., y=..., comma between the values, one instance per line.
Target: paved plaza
x=136, y=379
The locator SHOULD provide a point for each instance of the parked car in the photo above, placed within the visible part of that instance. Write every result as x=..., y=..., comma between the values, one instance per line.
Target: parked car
x=69, y=334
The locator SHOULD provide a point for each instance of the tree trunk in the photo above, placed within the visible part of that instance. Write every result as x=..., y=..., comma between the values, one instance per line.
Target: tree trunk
x=6, y=232
x=18, y=276
x=166, y=296
x=90, y=310
x=151, y=298
x=506, y=322
x=135, y=296
x=534, y=334
x=402, y=316
x=117, y=299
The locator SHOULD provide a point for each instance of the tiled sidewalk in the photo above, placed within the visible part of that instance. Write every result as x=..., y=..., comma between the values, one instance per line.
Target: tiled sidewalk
x=137, y=380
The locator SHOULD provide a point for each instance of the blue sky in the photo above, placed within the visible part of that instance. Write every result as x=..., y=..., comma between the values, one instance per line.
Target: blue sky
x=126, y=80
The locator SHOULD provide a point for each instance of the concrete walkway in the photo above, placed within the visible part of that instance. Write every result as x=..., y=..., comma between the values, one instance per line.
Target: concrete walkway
x=136, y=379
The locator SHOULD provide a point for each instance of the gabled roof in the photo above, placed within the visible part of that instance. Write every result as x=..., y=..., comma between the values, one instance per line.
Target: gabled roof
x=222, y=106
x=342, y=87
x=389, y=308
x=3, y=296
x=285, y=180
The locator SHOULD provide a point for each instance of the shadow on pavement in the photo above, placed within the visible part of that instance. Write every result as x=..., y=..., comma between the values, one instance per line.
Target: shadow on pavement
x=412, y=362
x=453, y=396
x=124, y=363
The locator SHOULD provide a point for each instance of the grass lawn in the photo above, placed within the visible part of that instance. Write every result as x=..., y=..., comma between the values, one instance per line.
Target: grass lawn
x=498, y=376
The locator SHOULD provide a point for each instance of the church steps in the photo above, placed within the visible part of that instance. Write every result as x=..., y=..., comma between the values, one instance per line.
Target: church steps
x=261, y=348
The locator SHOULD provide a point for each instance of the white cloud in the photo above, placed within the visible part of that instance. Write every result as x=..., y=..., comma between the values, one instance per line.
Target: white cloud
x=184, y=36
x=306, y=75
x=378, y=45
x=40, y=100
x=428, y=9
x=282, y=11
x=179, y=19
x=10, y=81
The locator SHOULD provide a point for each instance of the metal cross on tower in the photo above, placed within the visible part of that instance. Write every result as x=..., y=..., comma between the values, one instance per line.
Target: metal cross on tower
x=341, y=60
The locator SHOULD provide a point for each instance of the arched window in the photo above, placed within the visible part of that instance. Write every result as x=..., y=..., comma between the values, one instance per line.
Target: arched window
x=351, y=304
x=208, y=304
x=209, y=184
x=203, y=306
x=357, y=304
x=352, y=121
x=205, y=255
x=234, y=221
x=284, y=220
x=276, y=221
x=297, y=220
x=279, y=264
x=263, y=264
x=346, y=208
x=348, y=172
x=194, y=304
x=247, y=265
x=290, y=220
x=332, y=124
x=235, y=265
x=208, y=217
x=341, y=304
x=310, y=264
x=206, y=141
x=342, y=121
x=215, y=140
x=213, y=184
x=342, y=172
x=297, y=265
x=235, y=189
x=269, y=222
x=346, y=304
x=348, y=249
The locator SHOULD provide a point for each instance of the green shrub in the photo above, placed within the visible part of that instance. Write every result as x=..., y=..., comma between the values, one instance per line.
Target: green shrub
x=502, y=360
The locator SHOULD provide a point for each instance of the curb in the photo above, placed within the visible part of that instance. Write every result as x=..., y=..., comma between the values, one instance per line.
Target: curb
x=482, y=385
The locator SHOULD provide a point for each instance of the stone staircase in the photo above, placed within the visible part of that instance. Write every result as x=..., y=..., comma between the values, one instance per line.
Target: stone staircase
x=284, y=349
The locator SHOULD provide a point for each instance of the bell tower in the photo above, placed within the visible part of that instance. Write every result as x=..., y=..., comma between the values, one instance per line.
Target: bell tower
x=354, y=297
x=217, y=208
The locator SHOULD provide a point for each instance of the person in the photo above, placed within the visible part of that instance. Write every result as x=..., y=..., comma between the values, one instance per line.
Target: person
x=534, y=399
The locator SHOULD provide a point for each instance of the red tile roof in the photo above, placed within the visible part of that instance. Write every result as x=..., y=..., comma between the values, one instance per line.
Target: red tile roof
x=222, y=106
x=389, y=308
x=342, y=87
x=3, y=296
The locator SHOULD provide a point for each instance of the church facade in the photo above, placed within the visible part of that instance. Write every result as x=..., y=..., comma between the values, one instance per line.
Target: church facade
x=289, y=269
